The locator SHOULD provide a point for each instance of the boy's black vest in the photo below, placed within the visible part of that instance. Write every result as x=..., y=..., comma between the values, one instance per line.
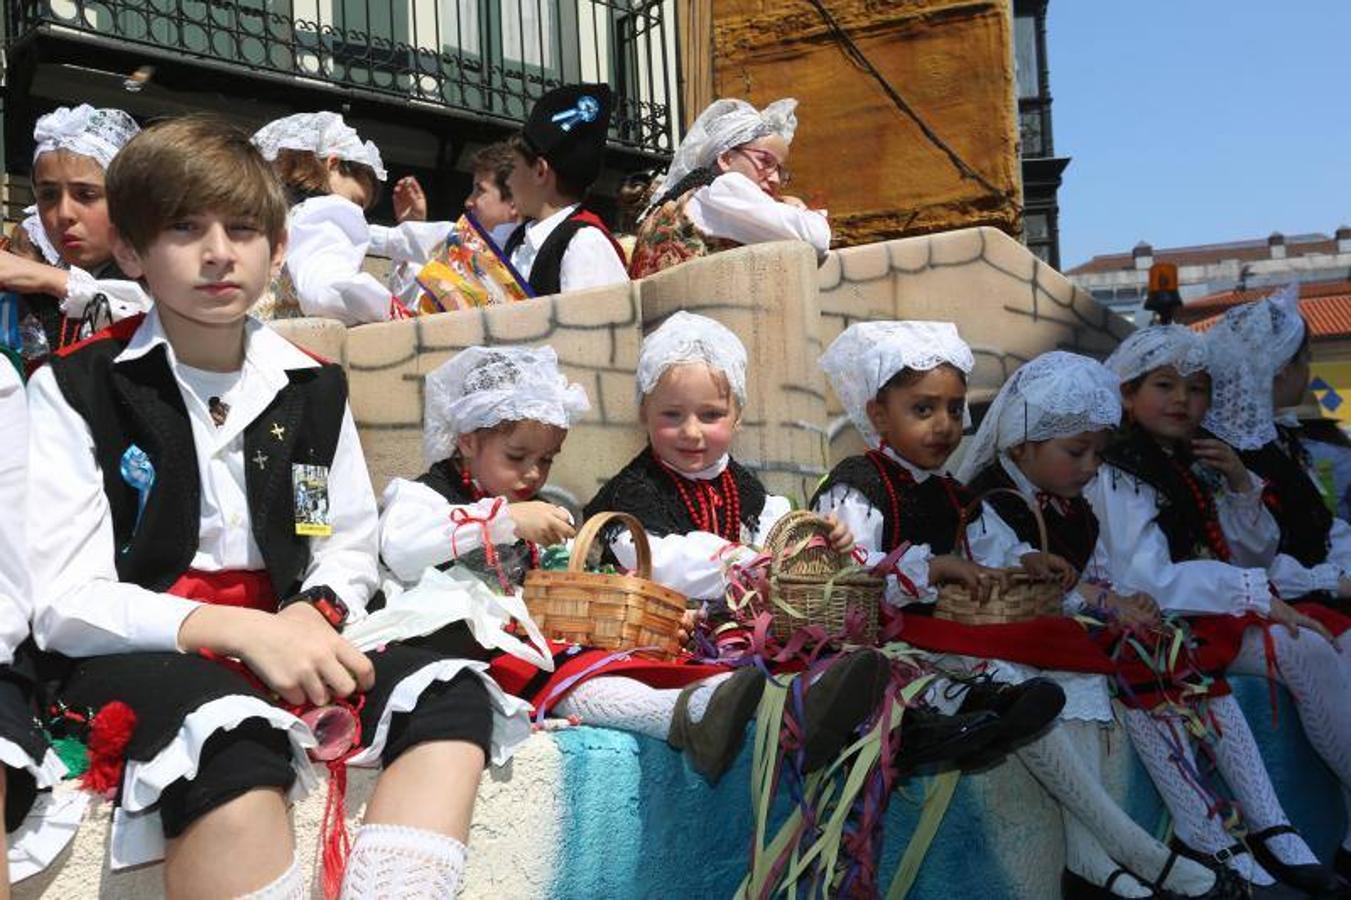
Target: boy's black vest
x=138, y=402
x=927, y=512
x=646, y=490
x=1181, y=518
x=1292, y=497
x=546, y=270
x=1071, y=527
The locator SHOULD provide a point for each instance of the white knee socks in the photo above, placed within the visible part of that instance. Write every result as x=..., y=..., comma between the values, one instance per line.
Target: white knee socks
x=288, y=886
x=629, y=705
x=393, y=861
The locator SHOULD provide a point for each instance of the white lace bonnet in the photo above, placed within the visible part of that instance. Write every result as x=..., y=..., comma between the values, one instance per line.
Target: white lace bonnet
x=324, y=134
x=689, y=338
x=480, y=387
x=1056, y=395
x=1157, y=346
x=1248, y=346
x=725, y=124
x=867, y=355
x=96, y=133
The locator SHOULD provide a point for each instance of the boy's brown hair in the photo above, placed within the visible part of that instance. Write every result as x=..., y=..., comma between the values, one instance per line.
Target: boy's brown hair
x=186, y=166
x=304, y=173
x=498, y=160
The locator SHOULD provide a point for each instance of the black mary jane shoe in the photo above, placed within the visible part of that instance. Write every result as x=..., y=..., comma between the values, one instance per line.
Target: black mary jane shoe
x=1314, y=879
x=1229, y=884
x=1074, y=886
x=1025, y=711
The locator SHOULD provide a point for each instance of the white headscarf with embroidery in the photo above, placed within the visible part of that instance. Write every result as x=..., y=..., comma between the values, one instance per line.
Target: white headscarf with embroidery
x=480, y=387
x=96, y=133
x=689, y=338
x=726, y=124
x=324, y=134
x=1157, y=346
x=867, y=355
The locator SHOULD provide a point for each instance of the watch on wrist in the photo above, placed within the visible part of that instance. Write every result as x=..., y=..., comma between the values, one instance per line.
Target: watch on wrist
x=326, y=603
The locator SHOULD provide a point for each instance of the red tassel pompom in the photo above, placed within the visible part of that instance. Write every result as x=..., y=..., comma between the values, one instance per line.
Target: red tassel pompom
x=109, y=734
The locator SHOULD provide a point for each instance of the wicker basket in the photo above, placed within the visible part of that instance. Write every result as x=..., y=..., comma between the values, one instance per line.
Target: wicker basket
x=612, y=612
x=821, y=585
x=1025, y=598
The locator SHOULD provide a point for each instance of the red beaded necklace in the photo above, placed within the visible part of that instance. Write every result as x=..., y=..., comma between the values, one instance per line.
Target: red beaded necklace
x=702, y=501
x=886, y=467
x=1205, y=504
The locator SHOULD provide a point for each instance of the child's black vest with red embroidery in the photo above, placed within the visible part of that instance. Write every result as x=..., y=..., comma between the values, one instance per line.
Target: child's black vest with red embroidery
x=1292, y=497
x=928, y=512
x=138, y=402
x=1071, y=527
x=546, y=270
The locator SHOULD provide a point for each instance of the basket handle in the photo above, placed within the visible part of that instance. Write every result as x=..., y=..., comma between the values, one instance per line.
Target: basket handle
x=776, y=542
x=586, y=536
x=1036, y=514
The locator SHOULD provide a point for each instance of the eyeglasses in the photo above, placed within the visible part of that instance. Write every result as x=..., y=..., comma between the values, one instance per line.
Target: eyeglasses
x=766, y=162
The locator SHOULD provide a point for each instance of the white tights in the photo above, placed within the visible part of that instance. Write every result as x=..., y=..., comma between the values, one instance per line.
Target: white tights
x=618, y=702
x=410, y=863
x=1099, y=836
x=1317, y=677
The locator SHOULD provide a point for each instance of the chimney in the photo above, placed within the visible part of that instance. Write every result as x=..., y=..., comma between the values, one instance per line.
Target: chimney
x=1276, y=245
x=1143, y=254
x=1343, y=239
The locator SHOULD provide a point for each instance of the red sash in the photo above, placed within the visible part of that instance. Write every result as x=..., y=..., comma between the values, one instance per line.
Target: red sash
x=249, y=588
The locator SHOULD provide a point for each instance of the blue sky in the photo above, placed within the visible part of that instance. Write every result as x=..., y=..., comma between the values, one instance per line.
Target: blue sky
x=1198, y=121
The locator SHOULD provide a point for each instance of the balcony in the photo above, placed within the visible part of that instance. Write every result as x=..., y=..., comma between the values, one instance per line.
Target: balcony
x=476, y=59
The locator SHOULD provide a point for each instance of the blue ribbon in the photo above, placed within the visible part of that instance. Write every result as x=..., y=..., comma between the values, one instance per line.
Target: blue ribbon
x=139, y=473
x=586, y=110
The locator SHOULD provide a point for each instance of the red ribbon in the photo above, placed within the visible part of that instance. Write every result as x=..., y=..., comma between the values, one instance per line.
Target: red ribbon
x=461, y=517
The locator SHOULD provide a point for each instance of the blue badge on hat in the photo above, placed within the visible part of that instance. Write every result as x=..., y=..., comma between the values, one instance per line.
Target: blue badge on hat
x=586, y=110
x=139, y=473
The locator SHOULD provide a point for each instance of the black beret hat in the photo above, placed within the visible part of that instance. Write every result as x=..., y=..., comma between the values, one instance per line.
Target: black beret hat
x=568, y=127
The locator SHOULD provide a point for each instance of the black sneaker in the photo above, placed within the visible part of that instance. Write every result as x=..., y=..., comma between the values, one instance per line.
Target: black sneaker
x=712, y=743
x=839, y=702
x=931, y=739
x=1025, y=711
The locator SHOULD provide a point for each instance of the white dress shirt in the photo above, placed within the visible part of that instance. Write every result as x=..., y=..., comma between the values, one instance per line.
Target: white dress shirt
x=590, y=260
x=993, y=543
x=411, y=245
x=82, y=609
x=735, y=208
x=328, y=239
x=1133, y=551
x=15, y=598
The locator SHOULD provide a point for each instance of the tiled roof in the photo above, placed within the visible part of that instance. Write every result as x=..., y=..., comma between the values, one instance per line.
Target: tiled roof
x=1326, y=306
x=1243, y=251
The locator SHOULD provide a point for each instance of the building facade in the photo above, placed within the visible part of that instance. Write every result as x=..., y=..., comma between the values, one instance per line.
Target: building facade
x=1042, y=169
x=430, y=81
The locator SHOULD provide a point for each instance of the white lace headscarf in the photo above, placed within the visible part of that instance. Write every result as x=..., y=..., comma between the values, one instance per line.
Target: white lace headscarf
x=1157, y=346
x=480, y=387
x=689, y=338
x=1248, y=346
x=725, y=124
x=96, y=133
x=867, y=355
x=324, y=134
x=1056, y=395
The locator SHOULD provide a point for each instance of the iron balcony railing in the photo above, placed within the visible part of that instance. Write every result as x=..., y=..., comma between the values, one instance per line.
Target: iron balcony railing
x=482, y=57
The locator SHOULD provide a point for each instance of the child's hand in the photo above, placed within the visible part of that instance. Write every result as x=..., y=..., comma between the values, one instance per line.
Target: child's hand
x=1221, y=457
x=295, y=652
x=840, y=537
x=790, y=200
x=1049, y=567
x=1132, y=609
x=689, y=623
x=1344, y=587
x=977, y=578
x=541, y=523
x=1294, y=620
x=410, y=203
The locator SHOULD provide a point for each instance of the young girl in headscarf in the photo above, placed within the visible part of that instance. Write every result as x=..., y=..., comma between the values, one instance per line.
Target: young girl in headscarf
x=1181, y=519
x=724, y=188
x=1261, y=356
x=1041, y=439
x=79, y=289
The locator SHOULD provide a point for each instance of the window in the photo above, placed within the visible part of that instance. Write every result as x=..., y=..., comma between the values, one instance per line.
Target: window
x=1025, y=63
x=528, y=32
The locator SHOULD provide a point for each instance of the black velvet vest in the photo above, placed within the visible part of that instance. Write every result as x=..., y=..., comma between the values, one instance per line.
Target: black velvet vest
x=546, y=271
x=138, y=402
x=1292, y=497
x=1071, y=527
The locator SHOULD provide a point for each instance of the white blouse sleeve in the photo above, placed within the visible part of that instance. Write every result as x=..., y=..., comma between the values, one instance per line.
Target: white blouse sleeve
x=15, y=586
x=734, y=207
x=1135, y=552
x=346, y=559
x=590, y=261
x=125, y=298
x=80, y=606
x=1248, y=525
x=865, y=522
x=1339, y=553
x=1293, y=580
x=328, y=240
x=418, y=528
x=993, y=541
x=412, y=242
